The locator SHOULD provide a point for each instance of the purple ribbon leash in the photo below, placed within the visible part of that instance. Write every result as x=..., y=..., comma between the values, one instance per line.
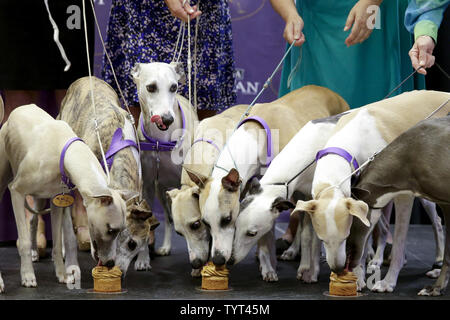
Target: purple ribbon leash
x=340, y=152
x=64, y=177
x=153, y=144
x=266, y=127
x=116, y=145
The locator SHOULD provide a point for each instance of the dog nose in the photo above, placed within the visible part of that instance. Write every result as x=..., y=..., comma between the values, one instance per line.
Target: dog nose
x=197, y=263
x=109, y=264
x=218, y=259
x=167, y=119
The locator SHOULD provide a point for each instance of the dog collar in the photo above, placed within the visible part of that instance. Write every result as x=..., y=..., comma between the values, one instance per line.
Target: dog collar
x=266, y=127
x=153, y=144
x=116, y=145
x=208, y=141
x=344, y=154
x=64, y=177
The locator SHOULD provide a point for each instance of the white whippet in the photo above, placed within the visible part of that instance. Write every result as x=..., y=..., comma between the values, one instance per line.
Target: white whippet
x=38, y=153
x=166, y=130
x=210, y=138
x=247, y=152
x=357, y=137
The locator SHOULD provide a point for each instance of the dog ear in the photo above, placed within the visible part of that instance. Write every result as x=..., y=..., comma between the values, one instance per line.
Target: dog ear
x=360, y=193
x=306, y=206
x=254, y=186
x=172, y=193
x=197, y=178
x=281, y=204
x=136, y=71
x=128, y=195
x=179, y=70
x=231, y=181
x=358, y=209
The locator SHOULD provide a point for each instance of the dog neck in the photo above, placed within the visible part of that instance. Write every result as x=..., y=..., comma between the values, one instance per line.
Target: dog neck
x=84, y=170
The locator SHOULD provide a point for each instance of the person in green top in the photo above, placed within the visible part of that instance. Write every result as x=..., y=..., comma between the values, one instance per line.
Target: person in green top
x=423, y=18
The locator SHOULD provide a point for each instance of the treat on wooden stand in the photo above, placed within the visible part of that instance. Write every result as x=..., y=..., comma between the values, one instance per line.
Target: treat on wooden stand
x=214, y=277
x=343, y=284
x=107, y=280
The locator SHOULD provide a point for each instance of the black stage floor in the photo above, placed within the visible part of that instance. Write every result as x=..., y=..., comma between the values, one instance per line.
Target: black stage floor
x=170, y=277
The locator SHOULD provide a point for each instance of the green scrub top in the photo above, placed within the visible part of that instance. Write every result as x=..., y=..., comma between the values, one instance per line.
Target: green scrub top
x=362, y=73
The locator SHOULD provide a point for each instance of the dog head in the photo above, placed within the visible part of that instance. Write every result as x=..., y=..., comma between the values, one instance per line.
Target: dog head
x=259, y=210
x=157, y=85
x=332, y=217
x=134, y=237
x=219, y=207
x=106, y=213
x=187, y=223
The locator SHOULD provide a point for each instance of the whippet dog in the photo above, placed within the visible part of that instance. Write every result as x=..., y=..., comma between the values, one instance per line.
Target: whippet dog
x=415, y=164
x=210, y=137
x=120, y=146
x=291, y=170
x=39, y=155
x=166, y=130
x=243, y=157
x=356, y=138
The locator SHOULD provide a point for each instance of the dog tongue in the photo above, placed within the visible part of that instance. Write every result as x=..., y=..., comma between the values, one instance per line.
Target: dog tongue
x=158, y=120
x=99, y=264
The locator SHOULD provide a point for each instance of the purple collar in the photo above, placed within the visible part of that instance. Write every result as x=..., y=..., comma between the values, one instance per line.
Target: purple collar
x=158, y=145
x=208, y=141
x=116, y=145
x=340, y=152
x=268, y=134
x=64, y=177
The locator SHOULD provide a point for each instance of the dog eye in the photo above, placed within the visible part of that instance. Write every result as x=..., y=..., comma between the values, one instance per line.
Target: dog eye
x=195, y=225
x=251, y=233
x=173, y=88
x=225, y=221
x=132, y=244
x=151, y=88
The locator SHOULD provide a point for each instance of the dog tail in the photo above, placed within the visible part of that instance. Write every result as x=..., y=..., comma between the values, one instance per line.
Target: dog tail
x=2, y=109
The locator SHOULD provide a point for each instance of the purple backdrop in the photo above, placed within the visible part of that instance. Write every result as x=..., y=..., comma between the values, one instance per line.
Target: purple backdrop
x=258, y=47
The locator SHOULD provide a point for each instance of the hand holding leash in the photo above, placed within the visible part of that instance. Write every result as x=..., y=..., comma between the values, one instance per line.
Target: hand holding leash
x=182, y=9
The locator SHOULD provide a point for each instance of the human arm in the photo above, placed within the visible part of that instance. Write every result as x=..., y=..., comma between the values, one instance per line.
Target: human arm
x=358, y=17
x=294, y=23
x=181, y=11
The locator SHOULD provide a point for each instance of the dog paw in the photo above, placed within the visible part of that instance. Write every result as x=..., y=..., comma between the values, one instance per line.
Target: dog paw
x=430, y=291
x=196, y=273
x=73, y=278
x=142, y=265
x=163, y=251
x=306, y=275
x=383, y=286
x=29, y=280
x=288, y=255
x=269, y=276
x=433, y=274
x=34, y=255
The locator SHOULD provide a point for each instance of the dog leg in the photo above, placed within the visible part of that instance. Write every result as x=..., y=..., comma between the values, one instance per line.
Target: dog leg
x=430, y=209
x=403, y=207
x=164, y=250
x=441, y=284
x=143, y=260
x=304, y=269
x=293, y=250
x=383, y=230
x=26, y=266
x=265, y=264
x=56, y=218
x=73, y=271
x=2, y=284
x=80, y=222
x=33, y=237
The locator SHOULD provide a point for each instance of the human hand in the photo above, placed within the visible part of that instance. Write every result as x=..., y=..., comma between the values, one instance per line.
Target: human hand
x=421, y=54
x=293, y=30
x=359, y=17
x=182, y=9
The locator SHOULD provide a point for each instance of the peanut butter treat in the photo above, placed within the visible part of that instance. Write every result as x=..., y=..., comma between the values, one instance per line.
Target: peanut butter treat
x=343, y=285
x=214, y=278
x=107, y=280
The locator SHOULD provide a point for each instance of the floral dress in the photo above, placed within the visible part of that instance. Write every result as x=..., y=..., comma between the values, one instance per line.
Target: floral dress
x=145, y=31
